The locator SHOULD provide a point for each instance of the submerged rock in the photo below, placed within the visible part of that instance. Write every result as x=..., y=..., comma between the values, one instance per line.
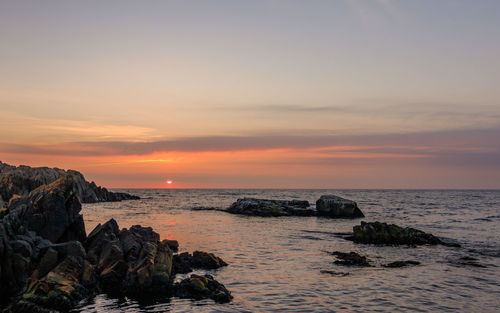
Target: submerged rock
x=334, y=206
x=202, y=287
x=23, y=179
x=468, y=261
x=265, y=207
x=333, y=273
x=391, y=234
x=351, y=259
x=401, y=264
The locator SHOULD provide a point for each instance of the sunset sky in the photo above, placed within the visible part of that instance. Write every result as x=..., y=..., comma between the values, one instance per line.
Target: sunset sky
x=254, y=94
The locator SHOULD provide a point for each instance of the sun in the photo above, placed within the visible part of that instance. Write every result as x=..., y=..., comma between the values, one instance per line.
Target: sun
x=170, y=182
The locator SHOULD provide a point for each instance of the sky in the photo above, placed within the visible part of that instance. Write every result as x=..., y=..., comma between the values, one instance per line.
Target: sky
x=254, y=94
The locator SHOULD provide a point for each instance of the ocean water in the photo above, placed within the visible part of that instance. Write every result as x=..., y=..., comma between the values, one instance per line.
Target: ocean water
x=275, y=263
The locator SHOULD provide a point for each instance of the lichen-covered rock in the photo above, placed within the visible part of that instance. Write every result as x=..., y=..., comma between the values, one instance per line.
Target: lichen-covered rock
x=59, y=290
x=391, y=234
x=202, y=287
x=23, y=179
x=266, y=208
x=334, y=206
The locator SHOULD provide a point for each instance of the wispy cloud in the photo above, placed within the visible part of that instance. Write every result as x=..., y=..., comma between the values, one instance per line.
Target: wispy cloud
x=453, y=141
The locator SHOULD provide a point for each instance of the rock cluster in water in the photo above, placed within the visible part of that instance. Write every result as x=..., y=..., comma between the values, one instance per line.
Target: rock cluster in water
x=327, y=206
x=23, y=179
x=48, y=263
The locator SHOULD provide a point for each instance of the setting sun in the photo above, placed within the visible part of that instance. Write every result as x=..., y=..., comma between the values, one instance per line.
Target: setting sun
x=169, y=182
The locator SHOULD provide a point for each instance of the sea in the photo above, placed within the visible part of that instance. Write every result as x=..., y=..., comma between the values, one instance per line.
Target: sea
x=283, y=264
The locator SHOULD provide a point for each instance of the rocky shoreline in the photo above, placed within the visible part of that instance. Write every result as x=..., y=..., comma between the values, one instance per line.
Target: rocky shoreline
x=22, y=179
x=49, y=264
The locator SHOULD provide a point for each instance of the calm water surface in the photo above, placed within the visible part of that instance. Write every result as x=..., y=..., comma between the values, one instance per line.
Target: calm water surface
x=275, y=264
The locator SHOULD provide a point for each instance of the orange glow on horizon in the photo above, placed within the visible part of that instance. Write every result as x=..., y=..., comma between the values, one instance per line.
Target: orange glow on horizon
x=220, y=169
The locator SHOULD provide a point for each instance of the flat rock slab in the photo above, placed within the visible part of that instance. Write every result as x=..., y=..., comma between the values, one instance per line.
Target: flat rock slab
x=391, y=234
x=265, y=207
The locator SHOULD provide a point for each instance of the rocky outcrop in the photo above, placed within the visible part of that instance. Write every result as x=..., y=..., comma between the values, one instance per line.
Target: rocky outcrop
x=202, y=287
x=391, y=234
x=51, y=211
x=264, y=207
x=23, y=179
x=48, y=264
x=334, y=206
x=184, y=263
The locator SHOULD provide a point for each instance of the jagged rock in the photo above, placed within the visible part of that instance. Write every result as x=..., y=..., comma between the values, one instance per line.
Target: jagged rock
x=112, y=277
x=131, y=261
x=52, y=211
x=391, y=234
x=264, y=207
x=334, y=206
x=202, y=287
x=184, y=263
x=99, y=238
x=401, y=264
x=351, y=259
x=23, y=179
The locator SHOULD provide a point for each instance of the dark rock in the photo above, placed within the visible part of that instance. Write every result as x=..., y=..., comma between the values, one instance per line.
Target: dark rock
x=264, y=207
x=112, y=277
x=59, y=289
x=24, y=179
x=99, y=238
x=70, y=248
x=401, y=264
x=184, y=263
x=47, y=263
x=110, y=254
x=334, y=206
x=22, y=247
x=172, y=244
x=133, y=261
x=350, y=259
x=333, y=273
x=390, y=234
x=50, y=210
x=202, y=287
x=206, y=260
